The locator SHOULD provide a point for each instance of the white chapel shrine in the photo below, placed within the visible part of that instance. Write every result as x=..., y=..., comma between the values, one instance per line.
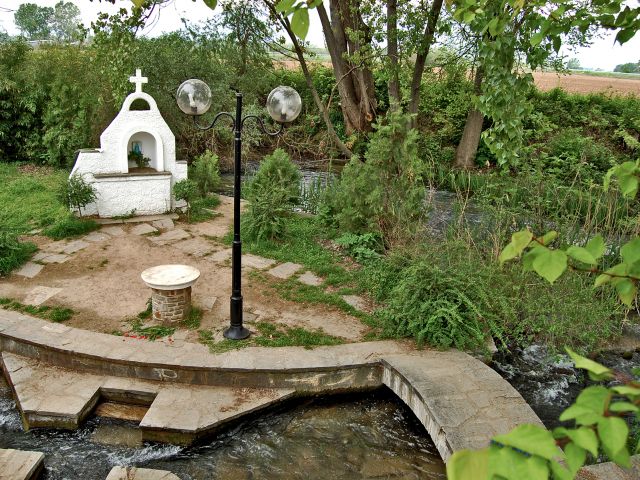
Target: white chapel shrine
x=135, y=167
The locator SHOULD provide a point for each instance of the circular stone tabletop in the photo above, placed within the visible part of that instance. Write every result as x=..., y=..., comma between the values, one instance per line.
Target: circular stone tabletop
x=170, y=277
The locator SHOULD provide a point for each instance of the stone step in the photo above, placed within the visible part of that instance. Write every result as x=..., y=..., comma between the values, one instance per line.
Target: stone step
x=20, y=465
x=181, y=414
x=178, y=413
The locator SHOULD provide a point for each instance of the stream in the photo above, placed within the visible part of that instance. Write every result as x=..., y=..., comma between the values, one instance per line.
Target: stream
x=360, y=436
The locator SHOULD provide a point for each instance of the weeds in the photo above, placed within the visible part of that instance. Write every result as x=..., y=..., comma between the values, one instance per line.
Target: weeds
x=54, y=314
x=70, y=226
x=13, y=253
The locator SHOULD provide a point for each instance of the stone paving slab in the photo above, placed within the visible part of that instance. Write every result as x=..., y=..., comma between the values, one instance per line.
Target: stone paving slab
x=206, y=408
x=255, y=261
x=134, y=473
x=207, y=303
x=285, y=270
x=170, y=237
x=50, y=396
x=356, y=302
x=55, y=258
x=20, y=465
x=220, y=256
x=29, y=270
x=96, y=237
x=40, y=294
x=75, y=246
x=197, y=247
x=114, y=231
x=163, y=224
x=610, y=471
x=55, y=247
x=310, y=278
x=211, y=228
x=143, y=229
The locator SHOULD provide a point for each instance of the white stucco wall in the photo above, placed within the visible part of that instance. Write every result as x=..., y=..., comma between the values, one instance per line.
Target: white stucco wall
x=144, y=194
x=121, y=192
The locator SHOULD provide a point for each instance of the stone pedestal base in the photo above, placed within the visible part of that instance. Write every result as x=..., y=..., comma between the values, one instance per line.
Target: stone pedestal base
x=171, y=306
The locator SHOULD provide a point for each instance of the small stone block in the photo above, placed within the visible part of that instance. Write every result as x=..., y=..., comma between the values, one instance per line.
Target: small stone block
x=114, y=231
x=310, y=278
x=170, y=237
x=20, y=465
x=220, y=256
x=134, y=473
x=143, y=229
x=198, y=247
x=96, y=237
x=30, y=270
x=254, y=261
x=40, y=256
x=164, y=224
x=208, y=303
x=285, y=270
x=40, y=294
x=249, y=317
x=356, y=302
x=76, y=246
x=55, y=258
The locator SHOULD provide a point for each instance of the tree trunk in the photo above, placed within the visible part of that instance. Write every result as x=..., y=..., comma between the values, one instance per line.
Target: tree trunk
x=309, y=80
x=468, y=146
x=392, y=54
x=355, y=81
x=421, y=58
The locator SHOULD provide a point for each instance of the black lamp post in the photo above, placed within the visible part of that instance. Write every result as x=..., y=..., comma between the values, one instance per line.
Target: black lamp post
x=284, y=106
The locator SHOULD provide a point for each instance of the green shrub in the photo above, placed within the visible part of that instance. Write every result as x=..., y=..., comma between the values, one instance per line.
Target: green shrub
x=440, y=307
x=186, y=190
x=385, y=193
x=205, y=172
x=364, y=247
x=77, y=193
x=13, y=253
x=272, y=193
x=70, y=226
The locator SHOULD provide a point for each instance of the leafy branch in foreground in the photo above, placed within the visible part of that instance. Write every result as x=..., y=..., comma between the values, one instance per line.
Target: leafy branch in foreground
x=530, y=452
x=551, y=263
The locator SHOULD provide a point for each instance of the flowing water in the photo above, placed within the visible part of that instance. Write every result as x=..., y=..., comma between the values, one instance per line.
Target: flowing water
x=359, y=436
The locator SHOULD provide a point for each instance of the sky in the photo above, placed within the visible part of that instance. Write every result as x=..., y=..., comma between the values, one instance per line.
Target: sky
x=603, y=54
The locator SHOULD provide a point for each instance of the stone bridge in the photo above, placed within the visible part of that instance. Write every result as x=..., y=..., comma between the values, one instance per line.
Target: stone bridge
x=58, y=374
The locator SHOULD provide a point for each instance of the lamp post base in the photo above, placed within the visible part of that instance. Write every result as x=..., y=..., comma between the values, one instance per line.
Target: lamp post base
x=236, y=332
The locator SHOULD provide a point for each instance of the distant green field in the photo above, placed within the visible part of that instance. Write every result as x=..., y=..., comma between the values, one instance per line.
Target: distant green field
x=591, y=73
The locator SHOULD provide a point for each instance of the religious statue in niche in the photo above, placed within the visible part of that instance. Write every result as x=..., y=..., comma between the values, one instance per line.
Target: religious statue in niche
x=136, y=155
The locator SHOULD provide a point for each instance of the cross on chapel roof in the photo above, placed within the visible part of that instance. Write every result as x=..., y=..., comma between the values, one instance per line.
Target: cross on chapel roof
x=138, y=79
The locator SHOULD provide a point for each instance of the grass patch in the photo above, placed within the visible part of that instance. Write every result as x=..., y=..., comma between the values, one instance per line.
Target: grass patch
x=302, y=246
x=71, y=226
x=150, y=333
x=29, y=199
x=271, y=335
x=13, y=253
x=53, y=314
x=202, y=209
x=146, y=313
x=192, y=322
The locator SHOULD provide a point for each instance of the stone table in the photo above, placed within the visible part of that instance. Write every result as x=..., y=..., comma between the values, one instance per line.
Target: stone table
x=171, y=291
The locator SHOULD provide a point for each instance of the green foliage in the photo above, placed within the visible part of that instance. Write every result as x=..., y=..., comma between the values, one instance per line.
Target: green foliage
x=186, y=190
x=440, y=307
x=152, y=332
x=362, y=247
x=272, y=193
x=628, y=67
x=77, y=193
x=13, y=253
x=54, y=314
x=34, y=21
x=205, y=172
x=70, y=226
x=193, y=320
x=385, y=193
x=532, y=452
x=137, y=157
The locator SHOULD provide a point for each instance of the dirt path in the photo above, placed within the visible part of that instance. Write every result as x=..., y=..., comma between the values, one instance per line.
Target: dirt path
x=101, y=282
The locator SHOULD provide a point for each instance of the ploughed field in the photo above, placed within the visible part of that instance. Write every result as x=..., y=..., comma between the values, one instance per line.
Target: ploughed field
x=582, y=83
